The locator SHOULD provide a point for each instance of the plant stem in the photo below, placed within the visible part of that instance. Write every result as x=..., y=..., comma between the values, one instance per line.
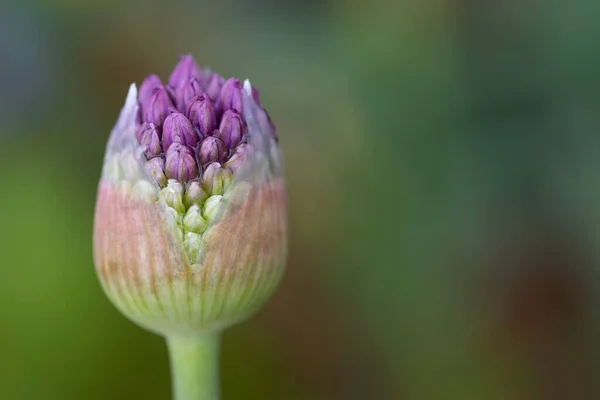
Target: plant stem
x=195, y=366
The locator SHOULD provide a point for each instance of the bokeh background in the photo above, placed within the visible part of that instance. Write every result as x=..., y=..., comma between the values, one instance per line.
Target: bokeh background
x=443, y=163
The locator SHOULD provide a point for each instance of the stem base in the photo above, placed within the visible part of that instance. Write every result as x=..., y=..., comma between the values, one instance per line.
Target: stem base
x=195, y=367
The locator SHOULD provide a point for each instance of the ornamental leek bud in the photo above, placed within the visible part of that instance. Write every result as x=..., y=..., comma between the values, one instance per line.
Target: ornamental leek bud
x=156, y=168
x=172, y=195
x=201, y=112
x=185, y=69
x=216, y=178
x=149, y=138
x=157, y=107
x=214, y=84
x=187, y=92
x=148, y=85
x=231, y=96
x=211, y=149
x=194, y=194
x=178, y=129
x=185, y=248
x=193, y=220
x=180, y=163
x=232, y=129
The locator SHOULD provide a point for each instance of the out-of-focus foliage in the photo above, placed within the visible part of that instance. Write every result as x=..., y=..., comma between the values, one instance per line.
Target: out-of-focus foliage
x=444, y=184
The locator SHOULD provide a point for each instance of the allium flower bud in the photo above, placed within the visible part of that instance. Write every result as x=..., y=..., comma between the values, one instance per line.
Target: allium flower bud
x=213, y=86
x=211, y=149
x=185, y=69
x=172, y=196
x=201, y=112
x=193, y=220
x=194, y=194
x=148, y=85
x=156, y=168
x=232, y=129
x=187, y=92
x=212, y=206
x=149, y=138
x=182, y=249
x=178, y=129
x=216, y=179
x=157, y=107
x=231, y=96
x=180, y=163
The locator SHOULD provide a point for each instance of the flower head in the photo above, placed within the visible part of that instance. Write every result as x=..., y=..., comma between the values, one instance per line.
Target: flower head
x=190, y=226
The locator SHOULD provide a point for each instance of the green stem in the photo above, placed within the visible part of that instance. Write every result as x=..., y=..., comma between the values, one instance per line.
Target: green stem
x=195, y=367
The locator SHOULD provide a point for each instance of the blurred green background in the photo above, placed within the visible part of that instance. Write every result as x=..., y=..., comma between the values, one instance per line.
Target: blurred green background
x=443, y=163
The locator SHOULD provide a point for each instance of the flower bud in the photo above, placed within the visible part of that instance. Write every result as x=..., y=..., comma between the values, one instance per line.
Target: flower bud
x=192, y=244
x=193, y=220
x=141, y=128
x=187, y=92
x=232, y=129
x=194, y=194
x=201, y=112
x=179, y=248
x=231, y=96
x=156, y=167
x=156, y=108
x=211, y=149
x=180, y=163
x=149, y=138
x=216, y=179
x=212, y=205
x=172, y=195
x=147, y=86
x=185, y=69
x=178, y=129
x=213, y=86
